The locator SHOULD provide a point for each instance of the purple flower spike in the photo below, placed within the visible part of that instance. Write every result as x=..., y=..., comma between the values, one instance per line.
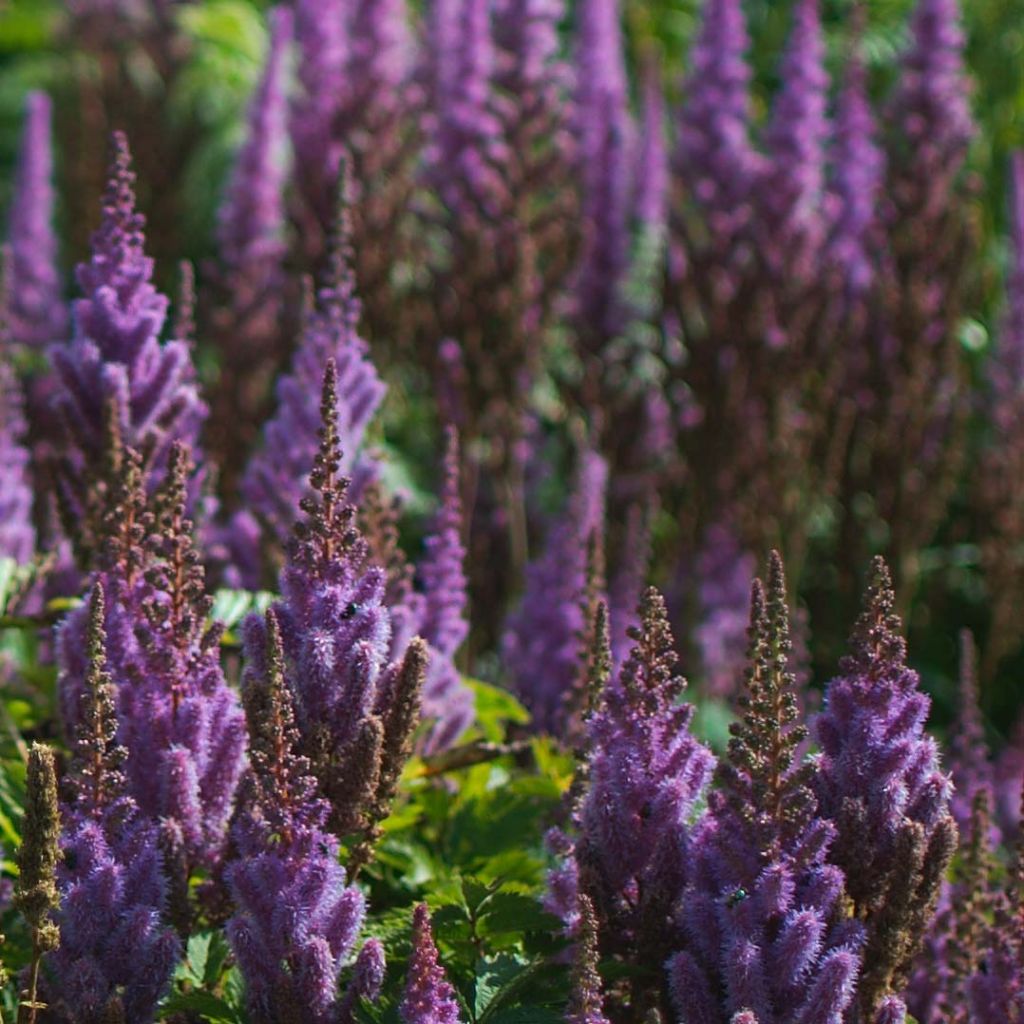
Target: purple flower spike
x=858, y=170
x=429, y=998
x=296, y=917
x=276, y=479
x=879, y=780
x=115, y=953
x=650, y=175
x=36, y=313
x=116, y=376
x=760, y=912
x=544, y=636
x=1008, y=363
x=793, y=190
x=17, y=535
x=714, y=155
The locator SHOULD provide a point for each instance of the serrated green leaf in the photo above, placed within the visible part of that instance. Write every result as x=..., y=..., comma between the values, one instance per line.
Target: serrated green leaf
x=213, y=1009
x=495, y=708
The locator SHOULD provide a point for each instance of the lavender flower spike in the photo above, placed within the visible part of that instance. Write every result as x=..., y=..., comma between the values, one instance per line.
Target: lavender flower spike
x=297, y=919
x=429, y=997
x=446, y=699
x=650, y=176
x=37, y=315
x=115, y=365
x=17, y=535
x=116, y=956
x=542, y=642
x=1008, y=363
x=880, y=782
x=761, y=915
x=797, y=133
x=858, y=168
x=714, y=155
x=275, y=480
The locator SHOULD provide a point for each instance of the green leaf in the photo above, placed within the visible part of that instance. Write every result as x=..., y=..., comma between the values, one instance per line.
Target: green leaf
x=211, y=1008
x=495, y=708
x=498, y=979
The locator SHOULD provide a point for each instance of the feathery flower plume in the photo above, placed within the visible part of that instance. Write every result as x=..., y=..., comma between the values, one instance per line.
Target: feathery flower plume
x=761, y=913
x=296, y=917
x=17, y=534
x=879, y=780
x=714, y=156
x=115, y=378
x=246, y=323
x=791, y=195
x=116, y=956
x=442, y=623
x=650, y=174
x=35, y=893
x=429, y=997
x=644, y=775
x=36, y=313
x=180, y=722
x=543, y=637
x=858, y=166
x=276, y=478
x=355, y=709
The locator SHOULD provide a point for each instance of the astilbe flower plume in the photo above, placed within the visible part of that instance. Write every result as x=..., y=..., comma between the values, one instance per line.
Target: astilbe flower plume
x=447, y=702
x=276, y=478
x=180, y=722
x=116, y=954
x=246, y=321
x=17, y=534
x=586, y=1002
x=36, y=312
x=429, y=997
x=792, y=193
x=544, y=635
x=763, y=932
x=629, y=854
x=355, y=709
x=115, y=377
x=296, y=918
x=879, y=780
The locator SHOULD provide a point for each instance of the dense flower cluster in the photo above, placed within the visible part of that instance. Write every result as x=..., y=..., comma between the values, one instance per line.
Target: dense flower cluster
x=487, y=336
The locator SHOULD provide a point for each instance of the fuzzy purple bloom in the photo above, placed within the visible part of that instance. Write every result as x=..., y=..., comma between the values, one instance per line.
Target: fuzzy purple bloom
x=645, y=774
x=442, y=619
x=36, y=313
x=544, y=635
x=296, y=917
x=276, y=479
x=429, y=998
x=114, y=948
x=116, y=356
x=792, y=192
x=857, y=171
x=714, y=156
x=17, y=535
x=761, y=916
x=251, y=218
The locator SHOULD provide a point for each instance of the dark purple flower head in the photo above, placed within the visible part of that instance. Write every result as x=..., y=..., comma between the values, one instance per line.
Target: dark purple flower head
x=276, y=479
x=17, y=535
x=544, y=636
x=36, y=313
x=714, y=156
x=114, y=947
x=644, y=776
x=793, y=191
x=251, y=219
x=880, y=781
x=180, y=722
x=356, y=708
x=931, y=106
x=762, y=913
x=857, y=171
x=115, y=375
x=297, y=918
x=429, y=998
